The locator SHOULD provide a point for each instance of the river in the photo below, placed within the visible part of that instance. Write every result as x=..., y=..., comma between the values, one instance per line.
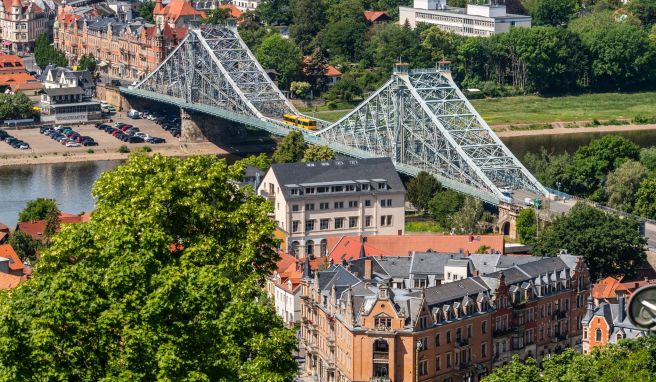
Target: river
x=70, y=183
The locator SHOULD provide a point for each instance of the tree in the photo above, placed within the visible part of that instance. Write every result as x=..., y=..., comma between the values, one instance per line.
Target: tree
x=45, y=54
x=261, y=161
x=516, y=371
x=648, y=158
x=290, y=149
x=217, y=16
x=300, y=88
x=345, y=89
x=466, y=220
x=421, y=189
x=282, y=55
x=146, y=9
x=645, y=10
x=344, y=34
x=87, y=62
x=443, y=204
x=16, y=105
x=318, y=153
x=52, y=225
x=526, y=224
x=609, y=244
x=307, y=21
x=163, y=283
x=388, y=43
x=552, y=12
x=622, y=185
x=38, y=209
x=251, y=29
x=275, y=12
x=549, y=168
x=25, y=246
x=645, y=203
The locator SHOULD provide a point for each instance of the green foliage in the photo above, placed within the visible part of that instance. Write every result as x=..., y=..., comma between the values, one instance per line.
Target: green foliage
x=445, y=203
x=113, y=299
x=318, y=153
x=388, y=43
x=145, y=10
x=421, y=189
x=300, y=88
x=645, y=199
x=648, y=158
x=146, y=149
x=526, y=224
x=251, y=29
x=15, y=106
x=275, y=12
x=26, y=248
x=645, y=10
x=38, y=209
x=124, y=149
x=630, y=360
x=290, y=149
x=344, y=34
x=423, y=226
x=467, y=219
x=622, y=185
x=217, y=16
x=346, y=89
x=87, y=62
x=261, y=161
x=609, y=244
x=282, y=55
x=307, y=22
x=552, y=12
x=548, y=168
x=45, y=54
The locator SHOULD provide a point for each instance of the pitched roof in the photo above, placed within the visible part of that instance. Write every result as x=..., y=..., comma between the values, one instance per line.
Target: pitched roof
x=37, y=227
x=64, y=91
x=11, y=62
x=179, y=8
x=4, y=227
x=235, y=12
x=373, y=16
x=607, y=288
x=7, y=251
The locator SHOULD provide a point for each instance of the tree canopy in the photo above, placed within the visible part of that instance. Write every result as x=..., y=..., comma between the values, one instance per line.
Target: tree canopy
x=609, y=244
x=38, y=209
x=163, y=283
x=290, y=149
x=318, y=153
x=87, y=62
x=282, y=55
x=15, y=106
x=146, y=9
x=261, y=161
x=421, y=189
x=526, y=224
x=45, y=54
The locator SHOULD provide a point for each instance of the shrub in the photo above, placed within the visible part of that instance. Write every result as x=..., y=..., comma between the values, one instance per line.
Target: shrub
x=90, y=151
x=123, y=149
x=146, y=149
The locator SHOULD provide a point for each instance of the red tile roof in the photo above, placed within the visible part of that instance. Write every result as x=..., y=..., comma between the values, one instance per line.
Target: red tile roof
x=11, y=63
x=7, y=251
x=235, y=12
x=607, y=288
x=348, y=247
x=36, y=228
x=289, y=268
x=330, y=71
x=179, y=8
x=19, y=81
x=4, y=228
x=373, y=16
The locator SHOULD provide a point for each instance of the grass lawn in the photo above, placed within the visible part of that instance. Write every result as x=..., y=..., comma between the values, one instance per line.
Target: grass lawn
x=533, y=109
x=423, y=226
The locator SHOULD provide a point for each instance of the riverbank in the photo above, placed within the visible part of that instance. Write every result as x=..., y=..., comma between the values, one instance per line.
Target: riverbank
x=502, y=132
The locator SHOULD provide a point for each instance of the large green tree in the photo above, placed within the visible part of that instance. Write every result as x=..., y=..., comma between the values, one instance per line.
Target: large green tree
x=622, y=185
x=610, y=245
x=87, y=62
x=445, y=203
x=645, y=204
x=282, y=55
x=526, y=224
x=290, y=149
x=552, y=12
x=308, y=21
x=344, y=34
x=467, y=220
x=145, y=10
x=317, y=153
x=275, y=12
x=25, y=246
x=45, y=54
x=645, y=10
x=648, y=158
x=38, y=209
x=261, y=161
x=163, y=283
x=421, y=189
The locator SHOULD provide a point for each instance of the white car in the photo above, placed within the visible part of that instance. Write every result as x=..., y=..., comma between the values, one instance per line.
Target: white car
x=141, y=135
x=72, y=144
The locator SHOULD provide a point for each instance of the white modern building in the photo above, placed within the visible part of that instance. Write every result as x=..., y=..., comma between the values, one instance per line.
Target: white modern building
x=316, y=200
x=283, y=288
x=475, y=20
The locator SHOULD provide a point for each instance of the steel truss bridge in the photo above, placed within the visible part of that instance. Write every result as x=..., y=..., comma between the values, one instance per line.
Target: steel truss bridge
x=419, y=118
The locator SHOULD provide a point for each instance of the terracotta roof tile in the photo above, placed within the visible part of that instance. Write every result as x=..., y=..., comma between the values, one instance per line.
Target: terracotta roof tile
x=179, y=8
x=373, y=16
x=36, y=228
x=7, y=251
x=234, y=11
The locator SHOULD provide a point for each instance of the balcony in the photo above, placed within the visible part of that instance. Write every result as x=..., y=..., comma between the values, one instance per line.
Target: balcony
x=502, y=332
x=559, y=337
x=331, y=342
x=381, y=357
x=462, y=342
x=380, y=379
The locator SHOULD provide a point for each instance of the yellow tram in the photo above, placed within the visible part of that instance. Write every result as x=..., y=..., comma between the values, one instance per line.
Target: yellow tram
x=298, y=121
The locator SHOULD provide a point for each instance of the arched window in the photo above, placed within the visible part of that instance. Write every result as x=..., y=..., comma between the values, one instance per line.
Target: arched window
x=309, y=248
x=598, y=335
x=324, y=247
x=294, y=248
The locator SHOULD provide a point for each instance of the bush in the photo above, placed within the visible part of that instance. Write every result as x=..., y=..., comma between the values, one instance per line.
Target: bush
x=90, y=151
x=332, y=105
x=123, y=149
x=146, y=149
x=643, y=120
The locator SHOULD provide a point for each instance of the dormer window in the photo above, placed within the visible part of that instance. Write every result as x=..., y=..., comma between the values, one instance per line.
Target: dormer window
x=382, y=186
x=383, y=322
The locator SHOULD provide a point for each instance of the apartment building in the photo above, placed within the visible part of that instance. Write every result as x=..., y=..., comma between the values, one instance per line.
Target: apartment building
x=316, y=200
x=374, y=320
x=474, y=20
x=21, y=23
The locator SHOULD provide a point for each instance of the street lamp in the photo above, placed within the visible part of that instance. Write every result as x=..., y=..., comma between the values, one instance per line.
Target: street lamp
x=558, y=184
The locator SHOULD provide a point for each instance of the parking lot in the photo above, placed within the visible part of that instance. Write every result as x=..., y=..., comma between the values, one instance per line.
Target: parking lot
x=42, y=144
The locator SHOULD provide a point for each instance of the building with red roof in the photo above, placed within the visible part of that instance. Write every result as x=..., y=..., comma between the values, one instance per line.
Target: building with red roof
x=20, y=82
x=15, y=265
x=331, y=73
x=37, y=228
x=377, y=17
x=177, y=13
x=283, y=287
x=235, y=12
x=22, y=23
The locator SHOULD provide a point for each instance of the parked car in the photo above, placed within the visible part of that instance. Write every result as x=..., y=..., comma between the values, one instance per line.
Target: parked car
x=72, y=144
x=89, y=143
x=136, y=140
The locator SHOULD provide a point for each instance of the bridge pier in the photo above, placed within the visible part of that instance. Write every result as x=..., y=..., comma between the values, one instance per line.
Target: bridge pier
x=507, y=223
x=199, y=127
x=191, y=127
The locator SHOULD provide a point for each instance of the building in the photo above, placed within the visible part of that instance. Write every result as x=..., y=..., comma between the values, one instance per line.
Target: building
x=363, y=322
x=4, y=233
x=283, y=288
x=606, y=320
x=316, y=200
x=68, y=105
x=377, y=17
x=475, y=20
x=252, y=176
x=14, y=77
x=126, y=50
x=54, y=77
x=246, y=5
x=177, y=14
x=37, y=228
x=21, y=24
x=345, y=248
x=331, y=73
x=10, y=263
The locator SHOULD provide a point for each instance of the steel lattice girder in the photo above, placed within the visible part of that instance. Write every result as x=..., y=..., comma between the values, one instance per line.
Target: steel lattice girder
x=419, y=118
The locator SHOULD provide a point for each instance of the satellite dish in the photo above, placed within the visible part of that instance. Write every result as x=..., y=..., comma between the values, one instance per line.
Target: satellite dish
x=642, y=308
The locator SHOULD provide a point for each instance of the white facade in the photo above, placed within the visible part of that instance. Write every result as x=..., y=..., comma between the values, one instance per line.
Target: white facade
x=245, y=5
x=286, y=299
x=21, y=24
x=309, y=213
x=475, y=20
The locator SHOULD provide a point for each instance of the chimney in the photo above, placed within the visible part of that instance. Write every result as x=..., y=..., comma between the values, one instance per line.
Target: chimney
x=620, y=310
x=367, y=270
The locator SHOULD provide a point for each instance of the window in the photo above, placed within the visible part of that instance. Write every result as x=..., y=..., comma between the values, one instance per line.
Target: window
x=448, y=360
x=383, y=322
x=323, y=190
x=423, y=344
x=437, y=339
x=386, y=203
x=382, y=186
x=324, y=206
x=484, y=327
x=294, y=191
x=295, y=208
x=353, y=221
x=483, y=350
x=323, y=223
x=598, y=335
x=353, y=203
x=323, y=247
x=423, y=367
x=339, y=205
x=309, y=207
x=349, y=188
x=469, y=331
x=438, y=363
x=386, y=220
x=309, y=225
x=367, y=203
x=448, y=337
x=458, y=334
x=368, y=220
x=309, y=190
x=365, y=187
x=309, y=248
x=295, y=225
x=420, y=283
x=339, y=223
